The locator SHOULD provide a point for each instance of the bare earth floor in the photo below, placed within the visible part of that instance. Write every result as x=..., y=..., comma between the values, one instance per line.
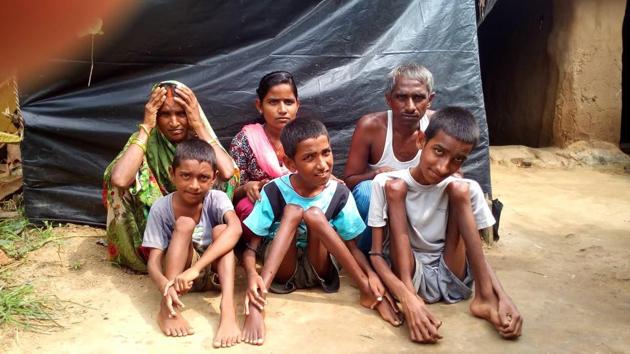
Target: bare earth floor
x=563, y=256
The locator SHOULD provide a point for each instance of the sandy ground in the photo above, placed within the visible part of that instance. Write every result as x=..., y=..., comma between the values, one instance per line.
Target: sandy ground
x=563, y=257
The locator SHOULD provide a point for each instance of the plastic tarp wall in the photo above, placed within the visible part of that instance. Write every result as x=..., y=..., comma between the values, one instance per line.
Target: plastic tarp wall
x=339, y=51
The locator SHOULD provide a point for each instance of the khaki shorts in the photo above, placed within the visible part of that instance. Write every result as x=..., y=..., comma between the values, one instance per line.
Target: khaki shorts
x=207, y=279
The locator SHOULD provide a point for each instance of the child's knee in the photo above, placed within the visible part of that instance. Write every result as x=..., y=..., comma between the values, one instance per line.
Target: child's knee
x=458, y=191
x=185, y=225
x=218, y=230
x=314, y=215
x=292, y=212
x=395, y=188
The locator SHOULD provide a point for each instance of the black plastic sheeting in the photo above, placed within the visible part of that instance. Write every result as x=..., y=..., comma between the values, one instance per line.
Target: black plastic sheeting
x=483, y=9
x=339, y=51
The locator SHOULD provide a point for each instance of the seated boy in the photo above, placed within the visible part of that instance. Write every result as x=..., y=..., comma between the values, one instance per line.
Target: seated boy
x=306, y=216
x=432, y=239
x=189, y=233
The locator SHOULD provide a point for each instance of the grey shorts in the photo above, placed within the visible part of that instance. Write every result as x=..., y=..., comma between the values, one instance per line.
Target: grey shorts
x=435, y=282
x=304, y=276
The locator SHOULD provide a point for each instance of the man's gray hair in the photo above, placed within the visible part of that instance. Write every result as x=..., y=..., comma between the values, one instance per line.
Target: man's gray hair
x=410, y=71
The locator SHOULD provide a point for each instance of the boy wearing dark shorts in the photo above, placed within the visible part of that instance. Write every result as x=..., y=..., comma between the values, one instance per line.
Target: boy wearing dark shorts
x=189, y=238
x=300, y=221
x=426, y=246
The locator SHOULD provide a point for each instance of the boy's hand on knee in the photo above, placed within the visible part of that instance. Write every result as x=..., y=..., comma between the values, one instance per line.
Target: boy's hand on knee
x=256, y=292
x=511, y=319
x=423, y=326
x=184, y=281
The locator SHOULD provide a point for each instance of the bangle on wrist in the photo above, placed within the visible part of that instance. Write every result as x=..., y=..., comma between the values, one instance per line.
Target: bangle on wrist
x=145, y=128
x=140, y=144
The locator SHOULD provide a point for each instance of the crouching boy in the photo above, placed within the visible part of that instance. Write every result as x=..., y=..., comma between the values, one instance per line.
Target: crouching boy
x=426, y=246
x=305, y=217
x=189, y=236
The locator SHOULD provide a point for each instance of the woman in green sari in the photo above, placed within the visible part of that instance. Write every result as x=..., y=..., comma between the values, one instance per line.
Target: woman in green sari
x=139, y=174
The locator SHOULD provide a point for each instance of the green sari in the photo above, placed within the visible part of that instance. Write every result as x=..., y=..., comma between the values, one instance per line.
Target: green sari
x=127, y=209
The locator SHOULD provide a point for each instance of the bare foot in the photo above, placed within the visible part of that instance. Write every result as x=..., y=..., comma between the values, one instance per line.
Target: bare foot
x=228, y=333
x=254, y=327
x=486, y=309
x=385, y=308
x=176, y=326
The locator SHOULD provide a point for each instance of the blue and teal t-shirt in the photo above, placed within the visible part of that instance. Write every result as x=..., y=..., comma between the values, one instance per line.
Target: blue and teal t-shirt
x=263, y=222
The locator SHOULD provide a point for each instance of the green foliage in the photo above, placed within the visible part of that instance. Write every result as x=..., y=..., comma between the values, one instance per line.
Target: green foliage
x=18, y=236
x=21, y=307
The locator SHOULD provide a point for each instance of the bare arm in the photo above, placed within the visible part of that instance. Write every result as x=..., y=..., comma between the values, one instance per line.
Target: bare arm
x=392, y=282
x=256, y=289
x=360, y=257
x=423, y=326
x=125, y=169
x=188, y=100
x=249, y=257
x=154, y=267
x=357, y=170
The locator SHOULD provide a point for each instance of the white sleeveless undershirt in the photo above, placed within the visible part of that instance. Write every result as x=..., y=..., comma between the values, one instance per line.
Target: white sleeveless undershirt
x=388, y=158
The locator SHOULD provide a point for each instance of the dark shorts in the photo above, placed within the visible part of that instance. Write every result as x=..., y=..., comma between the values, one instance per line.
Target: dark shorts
x=304, y=276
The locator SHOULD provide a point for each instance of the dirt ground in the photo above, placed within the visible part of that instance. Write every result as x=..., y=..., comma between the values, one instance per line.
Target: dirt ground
x=563, y=257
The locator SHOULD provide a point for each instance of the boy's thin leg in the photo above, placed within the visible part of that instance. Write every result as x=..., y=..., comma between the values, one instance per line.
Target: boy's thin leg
x=454, y=254
x=323, y=239
x=403, y=262
x=277, y=263
x=485, y=302
x=228, y=333
x=317, y=249
x=178, y=256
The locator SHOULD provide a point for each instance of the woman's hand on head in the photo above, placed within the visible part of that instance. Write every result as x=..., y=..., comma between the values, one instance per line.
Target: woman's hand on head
x=156, y=100
x=187, y=99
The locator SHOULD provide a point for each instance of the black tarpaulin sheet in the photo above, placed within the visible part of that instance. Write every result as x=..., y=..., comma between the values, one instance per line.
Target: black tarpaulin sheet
x=339, y=51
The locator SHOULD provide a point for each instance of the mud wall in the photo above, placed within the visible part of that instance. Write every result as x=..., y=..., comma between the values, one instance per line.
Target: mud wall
x=585, y=47
x=552, y=71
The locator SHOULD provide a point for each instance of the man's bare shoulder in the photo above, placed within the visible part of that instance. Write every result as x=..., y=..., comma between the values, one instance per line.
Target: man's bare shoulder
x=372, y=122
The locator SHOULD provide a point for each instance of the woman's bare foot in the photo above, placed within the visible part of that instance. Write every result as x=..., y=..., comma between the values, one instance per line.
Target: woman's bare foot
x=384, y=307
x=228, y=333
x=487, y=309
x=254, y=327
x=176, y=326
